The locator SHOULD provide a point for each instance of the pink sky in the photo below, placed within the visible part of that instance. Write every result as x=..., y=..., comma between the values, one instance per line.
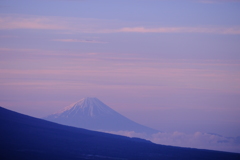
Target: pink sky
x=171, y=65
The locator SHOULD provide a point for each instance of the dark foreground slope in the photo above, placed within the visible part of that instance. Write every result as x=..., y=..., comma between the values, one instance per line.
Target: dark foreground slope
x=25, y=137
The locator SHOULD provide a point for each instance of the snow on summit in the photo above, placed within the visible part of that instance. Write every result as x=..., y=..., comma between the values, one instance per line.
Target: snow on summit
x=89, y=106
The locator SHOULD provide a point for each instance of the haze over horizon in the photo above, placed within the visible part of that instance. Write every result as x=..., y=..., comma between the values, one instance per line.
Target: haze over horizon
x=168, y=64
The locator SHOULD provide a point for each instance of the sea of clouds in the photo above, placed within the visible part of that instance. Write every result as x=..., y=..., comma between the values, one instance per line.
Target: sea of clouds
x=196, y=140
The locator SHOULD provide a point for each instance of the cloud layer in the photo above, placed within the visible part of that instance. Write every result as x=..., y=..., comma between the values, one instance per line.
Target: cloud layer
x=85, y=25
x=196, y=140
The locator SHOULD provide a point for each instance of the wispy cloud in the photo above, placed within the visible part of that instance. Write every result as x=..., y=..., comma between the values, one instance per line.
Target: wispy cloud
x=84, y=25
x=27, y=22
x=71, y=24
x=121, y=70
x=216, y=30
x=78, y=40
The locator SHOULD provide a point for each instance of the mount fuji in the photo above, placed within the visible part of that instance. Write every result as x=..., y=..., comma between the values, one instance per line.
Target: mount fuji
x=91, y=113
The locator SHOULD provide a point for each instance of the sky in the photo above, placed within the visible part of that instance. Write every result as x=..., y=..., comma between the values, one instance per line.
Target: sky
x=173, y=65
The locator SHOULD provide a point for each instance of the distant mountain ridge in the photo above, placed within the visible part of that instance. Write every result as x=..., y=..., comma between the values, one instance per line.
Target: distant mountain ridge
x=91, y=113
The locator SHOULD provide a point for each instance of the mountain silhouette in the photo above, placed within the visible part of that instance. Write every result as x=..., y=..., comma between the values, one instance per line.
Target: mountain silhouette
x=91, y=113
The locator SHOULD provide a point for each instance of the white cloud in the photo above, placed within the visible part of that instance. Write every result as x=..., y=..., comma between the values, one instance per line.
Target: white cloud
x=197, y=140
x=87, y=25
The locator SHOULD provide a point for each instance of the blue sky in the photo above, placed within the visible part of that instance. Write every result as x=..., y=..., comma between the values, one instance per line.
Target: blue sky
x=168, y=64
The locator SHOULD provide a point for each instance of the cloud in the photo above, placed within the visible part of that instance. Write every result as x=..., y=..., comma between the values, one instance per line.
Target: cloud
x=109, y=69
x=231, y=30
x=66, y=24
x=78, y=40
x=27, y=22
x=196, y=140
x=88, y=25
x=119, y=71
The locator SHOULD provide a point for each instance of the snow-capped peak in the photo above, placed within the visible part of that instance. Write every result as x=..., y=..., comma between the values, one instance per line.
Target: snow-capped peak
x=89, y=106
x=91, y=113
